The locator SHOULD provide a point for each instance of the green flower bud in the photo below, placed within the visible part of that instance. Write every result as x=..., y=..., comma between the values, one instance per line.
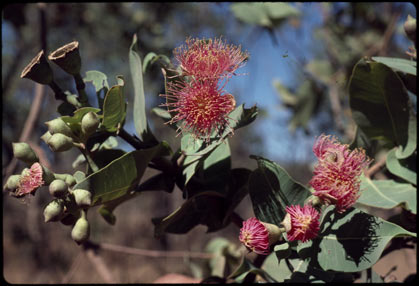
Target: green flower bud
x=38, y=70
x=57, y=125
x=70, y=180
x=58, y=188
x=81, y=230
x=54, y=210
x=89, y=123
x=24, y=152
x=68, y=58
x=82, y=197
x=410, y=28
x=60, y=142
x=12, y=183
x=46, y=137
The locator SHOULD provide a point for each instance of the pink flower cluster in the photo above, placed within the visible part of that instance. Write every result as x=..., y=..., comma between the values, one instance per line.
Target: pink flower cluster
x=336, y=177
x=198, y=101
x=255, y=236
x=30, y=180
x=336, y=181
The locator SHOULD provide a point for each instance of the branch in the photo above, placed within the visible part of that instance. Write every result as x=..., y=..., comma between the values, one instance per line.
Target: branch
x=148, y=252
x=376, y=167
x=100, y=265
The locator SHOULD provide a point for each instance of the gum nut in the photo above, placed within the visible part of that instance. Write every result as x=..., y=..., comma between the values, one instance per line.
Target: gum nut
x=82, y=197
x=57, y=125
x=58, y=188
x=53, y=211
x=89, y=123
x=24, y=153
x=60, y=142
x=81, y=230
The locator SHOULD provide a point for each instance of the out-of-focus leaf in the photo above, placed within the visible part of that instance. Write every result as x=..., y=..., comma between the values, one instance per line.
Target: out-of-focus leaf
x=403, y=65
x=387, y=194
x=271, y=190
x=139, y=110
x=286, y=96
x=320, y=69
x=114, y=107
x=401, y=167
x=349, y=242
x=121, y=176
x=379, y=103
x=263, y=14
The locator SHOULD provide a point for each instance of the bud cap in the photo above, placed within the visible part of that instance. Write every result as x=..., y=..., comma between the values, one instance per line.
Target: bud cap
x=24, y=152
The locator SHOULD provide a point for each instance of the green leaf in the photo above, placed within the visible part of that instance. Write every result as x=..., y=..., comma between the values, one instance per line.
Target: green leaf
x=379, y=102
x=349, y=242
x=114, y=107
x=100, y=82
x=271, y=190
x=120, y=176
x=403, y=65
x=401, y=168
x=139, y=111
x=245, y=268
x=206, y=208
x=238, y=118
x=151, y=58
x=159, y=182
x=74, y=122
x=387, y=194
x=405, y=151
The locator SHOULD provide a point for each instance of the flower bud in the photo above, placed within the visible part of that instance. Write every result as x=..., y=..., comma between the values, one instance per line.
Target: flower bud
x=12, y=183
x=68, y=58
x=89, y=123
x=24, y=152
x=54, y=210
x=410, y=28
x=38, y=70
x=70, y=181
x=314, y=201
x=60, y=142
x=46, y=137
x=81, y=230
x=57, y=125
x=82, y=197
x=58, y=188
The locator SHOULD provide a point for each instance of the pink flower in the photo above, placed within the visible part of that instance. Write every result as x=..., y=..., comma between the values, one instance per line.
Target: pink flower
x=336, y=177
x=201, y=106
x=255, y=236
x=30, y=180
x=209, y=59
x=301, y=223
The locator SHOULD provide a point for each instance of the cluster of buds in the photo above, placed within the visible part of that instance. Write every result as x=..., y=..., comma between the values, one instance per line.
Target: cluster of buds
x=68, y=206
x=336, y=181
x=198, y=100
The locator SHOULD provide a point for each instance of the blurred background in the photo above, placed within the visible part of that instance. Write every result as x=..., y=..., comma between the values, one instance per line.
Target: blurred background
x=301, y=58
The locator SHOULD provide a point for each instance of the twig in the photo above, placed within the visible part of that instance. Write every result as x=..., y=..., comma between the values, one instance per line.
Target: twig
x=376, y=167
x=154, y=253
x=29, y=124
x=100, y=265
x=73, y=269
